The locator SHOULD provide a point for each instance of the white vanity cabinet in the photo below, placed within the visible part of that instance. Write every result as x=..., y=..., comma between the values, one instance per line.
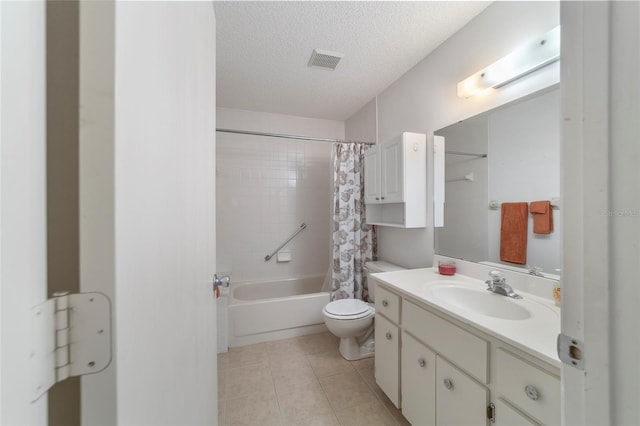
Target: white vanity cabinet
x=418, y=381
x=441, y=371
x=395, y=180
x=387, y=338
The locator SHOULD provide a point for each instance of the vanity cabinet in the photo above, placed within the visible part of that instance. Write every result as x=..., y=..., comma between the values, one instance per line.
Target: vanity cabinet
x=395, y=181
x=387, y=361
x=440, y=371
x=418, y=381
x=460, y=399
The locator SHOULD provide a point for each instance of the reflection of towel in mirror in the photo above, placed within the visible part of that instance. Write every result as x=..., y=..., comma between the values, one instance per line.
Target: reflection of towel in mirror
x=513, y=233
x=542, y=217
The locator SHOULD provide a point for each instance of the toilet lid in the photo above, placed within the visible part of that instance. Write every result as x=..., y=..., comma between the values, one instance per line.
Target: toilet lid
x=347, y=307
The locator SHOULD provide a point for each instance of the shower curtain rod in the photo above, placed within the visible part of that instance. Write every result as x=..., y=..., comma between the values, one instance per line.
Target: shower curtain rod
x=279, y=135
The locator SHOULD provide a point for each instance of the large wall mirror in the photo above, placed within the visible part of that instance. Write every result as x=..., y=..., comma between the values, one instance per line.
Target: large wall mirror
x=522, y=143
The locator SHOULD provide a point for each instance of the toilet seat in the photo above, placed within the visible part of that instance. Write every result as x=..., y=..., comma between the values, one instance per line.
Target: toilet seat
x=348, y=309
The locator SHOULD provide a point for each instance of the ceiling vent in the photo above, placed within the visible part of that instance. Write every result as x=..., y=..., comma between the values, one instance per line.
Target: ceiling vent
x=324, y=59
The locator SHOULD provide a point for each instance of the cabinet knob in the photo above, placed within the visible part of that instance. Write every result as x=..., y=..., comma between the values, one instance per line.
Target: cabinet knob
x=448, y=383
x=422, y=363
x=382, y=198
x=385, y=303
x=531, y=392
x=388, y=335
x=377, y=198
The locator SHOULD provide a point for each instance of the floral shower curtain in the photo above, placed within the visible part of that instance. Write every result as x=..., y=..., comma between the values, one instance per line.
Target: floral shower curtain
x=354, y=242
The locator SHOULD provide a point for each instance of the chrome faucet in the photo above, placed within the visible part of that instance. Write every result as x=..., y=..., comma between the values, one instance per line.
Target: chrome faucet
x=535, y=270
x=498, y=284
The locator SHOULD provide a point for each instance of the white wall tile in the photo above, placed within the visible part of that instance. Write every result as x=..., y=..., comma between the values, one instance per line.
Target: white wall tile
x=266, y=187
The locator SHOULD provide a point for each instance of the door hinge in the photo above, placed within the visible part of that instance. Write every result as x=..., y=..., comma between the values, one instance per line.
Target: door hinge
x=571, y=351
x=71, y=336
x=491, y=412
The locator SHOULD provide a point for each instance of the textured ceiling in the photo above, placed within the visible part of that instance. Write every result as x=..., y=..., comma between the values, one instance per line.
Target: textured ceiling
x=263, y=49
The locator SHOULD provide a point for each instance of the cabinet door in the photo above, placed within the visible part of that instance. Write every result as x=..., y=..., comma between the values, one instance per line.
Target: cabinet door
x=387, y=361
x=371, y=176
x=418, y=382
x=508, y=416
x=460, y=399
x=392, y=172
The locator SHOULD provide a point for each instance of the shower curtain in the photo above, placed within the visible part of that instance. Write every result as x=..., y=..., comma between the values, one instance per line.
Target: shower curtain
x=354, y=242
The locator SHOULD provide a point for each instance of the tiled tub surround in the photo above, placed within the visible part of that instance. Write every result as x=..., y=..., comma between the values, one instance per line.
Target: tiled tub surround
x=300, y=381
x=267, y=187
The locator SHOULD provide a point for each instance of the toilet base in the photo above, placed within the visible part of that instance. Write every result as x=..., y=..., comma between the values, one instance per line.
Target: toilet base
x=352, y=349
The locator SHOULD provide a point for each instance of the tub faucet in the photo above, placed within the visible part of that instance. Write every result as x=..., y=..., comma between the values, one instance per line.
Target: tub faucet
x=498, y=284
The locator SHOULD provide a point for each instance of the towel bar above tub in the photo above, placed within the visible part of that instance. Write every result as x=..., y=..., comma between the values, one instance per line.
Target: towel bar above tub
x=495, y=205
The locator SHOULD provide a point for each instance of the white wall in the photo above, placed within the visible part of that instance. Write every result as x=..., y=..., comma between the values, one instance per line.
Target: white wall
x=266, y=187
x=424, y=99
x=148, y=207
x=23, y=263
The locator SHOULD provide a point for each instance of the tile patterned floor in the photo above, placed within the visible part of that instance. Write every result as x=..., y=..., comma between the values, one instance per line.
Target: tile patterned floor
x=302, y=381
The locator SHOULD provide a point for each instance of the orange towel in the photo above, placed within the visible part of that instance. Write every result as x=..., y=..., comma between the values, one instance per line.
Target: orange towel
x=542, y=217
x=513, y=233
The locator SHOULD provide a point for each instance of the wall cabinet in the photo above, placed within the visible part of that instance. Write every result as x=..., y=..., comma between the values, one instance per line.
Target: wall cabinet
x=442, y=372
x=395, y=180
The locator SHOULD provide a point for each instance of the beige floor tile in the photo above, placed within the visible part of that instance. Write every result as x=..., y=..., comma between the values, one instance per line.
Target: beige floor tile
x=321, y=342
x=366, y=371
x=221, y=412
x=253, y=411
x=293, y=380
x=304, y=402
x=367, y=414
x=223, y=361
x=330, y=363
x=247, y=355
x=395, y=413
x=246, y=381
x=315, y=420
x=364, y=364
x=222, y=385
x=347, y=390
x=280, y=348
x=295, y=361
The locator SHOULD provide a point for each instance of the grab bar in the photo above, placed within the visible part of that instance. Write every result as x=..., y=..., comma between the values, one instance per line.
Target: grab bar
x=299, y=230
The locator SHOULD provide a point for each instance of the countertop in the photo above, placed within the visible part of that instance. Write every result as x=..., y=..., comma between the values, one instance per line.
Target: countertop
x=535, y=335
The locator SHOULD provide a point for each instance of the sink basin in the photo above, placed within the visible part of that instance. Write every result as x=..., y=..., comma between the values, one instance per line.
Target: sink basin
x=478, y=301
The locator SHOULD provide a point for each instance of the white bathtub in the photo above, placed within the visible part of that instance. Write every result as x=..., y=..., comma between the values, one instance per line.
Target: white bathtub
x=271, y=310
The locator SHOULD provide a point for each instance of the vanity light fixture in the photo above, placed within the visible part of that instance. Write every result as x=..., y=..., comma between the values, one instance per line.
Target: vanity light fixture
x=526, y=59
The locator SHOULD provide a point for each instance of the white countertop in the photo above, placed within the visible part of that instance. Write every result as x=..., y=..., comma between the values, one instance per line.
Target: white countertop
x=535, y=335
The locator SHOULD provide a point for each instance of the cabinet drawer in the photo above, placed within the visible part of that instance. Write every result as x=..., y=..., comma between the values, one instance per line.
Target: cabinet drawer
x=464, y=349
x=388, y=304
x=387, y=359
x=528, y=387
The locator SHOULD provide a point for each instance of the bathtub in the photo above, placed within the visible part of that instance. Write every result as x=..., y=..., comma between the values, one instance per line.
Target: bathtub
x=261, y=311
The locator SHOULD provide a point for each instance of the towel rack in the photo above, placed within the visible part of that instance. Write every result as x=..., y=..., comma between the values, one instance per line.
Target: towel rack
x=495, y=205
x=297, y=231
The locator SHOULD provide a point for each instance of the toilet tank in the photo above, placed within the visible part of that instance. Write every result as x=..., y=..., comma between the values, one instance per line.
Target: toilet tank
x=375, y=267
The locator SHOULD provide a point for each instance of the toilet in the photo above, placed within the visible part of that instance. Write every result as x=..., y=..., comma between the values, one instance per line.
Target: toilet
x=352, y=320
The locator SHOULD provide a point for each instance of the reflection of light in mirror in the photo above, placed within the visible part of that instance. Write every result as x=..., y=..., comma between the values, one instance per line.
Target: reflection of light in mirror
x=528, y=58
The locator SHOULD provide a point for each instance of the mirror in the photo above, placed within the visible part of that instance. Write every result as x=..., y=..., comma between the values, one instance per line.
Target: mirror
x=522, y=143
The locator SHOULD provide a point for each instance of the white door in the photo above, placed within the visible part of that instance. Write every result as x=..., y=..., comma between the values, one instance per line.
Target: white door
x=23, y=263
x=147, y=207
x=392, y=165
x=601, y=200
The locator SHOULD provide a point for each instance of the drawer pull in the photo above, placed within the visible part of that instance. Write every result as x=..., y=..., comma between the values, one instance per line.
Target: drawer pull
x=448, y=383
x=388, y=335
x=531, y=392
x=422, y=363
x=385, y=303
